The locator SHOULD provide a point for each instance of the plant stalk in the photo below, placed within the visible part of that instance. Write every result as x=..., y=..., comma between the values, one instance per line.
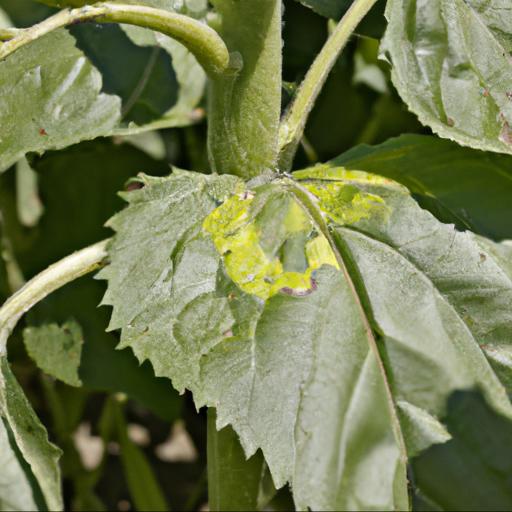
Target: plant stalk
x=57, y=275
x=207, y=46
x=294, y=122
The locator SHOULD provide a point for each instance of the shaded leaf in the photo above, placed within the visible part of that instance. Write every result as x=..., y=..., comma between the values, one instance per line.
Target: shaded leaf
x=142, y=483
x=473, y=470
x=328, y=8
x=338, y=380
x=234, y=483
x=87, y=93
x=22, y=429
x=466, y=187
x=56, y=350
x=451, y=64
x=85, y=178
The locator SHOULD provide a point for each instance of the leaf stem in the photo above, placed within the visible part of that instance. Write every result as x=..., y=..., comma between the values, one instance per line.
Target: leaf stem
x=57, y=275
x=294, y=122
x=207, y=46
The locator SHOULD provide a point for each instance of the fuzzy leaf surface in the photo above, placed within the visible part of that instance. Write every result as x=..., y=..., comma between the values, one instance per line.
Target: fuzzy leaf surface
x=50, y=103
x=56, y=350
x=452, y=65
x=327, y=318
x=33, y=484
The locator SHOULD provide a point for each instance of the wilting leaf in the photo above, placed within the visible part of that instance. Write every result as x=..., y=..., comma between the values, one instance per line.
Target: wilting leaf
x=56, y=350
x=452, y=65
x=338, y=380
x=32, y=460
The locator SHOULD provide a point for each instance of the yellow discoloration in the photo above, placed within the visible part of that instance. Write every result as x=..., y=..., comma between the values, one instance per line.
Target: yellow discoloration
x=347, y=204
x=328, y=173
x=236, y=235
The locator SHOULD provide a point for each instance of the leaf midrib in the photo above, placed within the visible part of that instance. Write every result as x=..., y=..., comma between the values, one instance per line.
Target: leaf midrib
x=304, y=199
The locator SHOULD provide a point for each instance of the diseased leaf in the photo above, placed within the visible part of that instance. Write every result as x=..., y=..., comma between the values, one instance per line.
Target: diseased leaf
x=56, y=350
x=466, y=187
x=24, y=431
x=471, y=471
x=340, y=379
x=451, y=63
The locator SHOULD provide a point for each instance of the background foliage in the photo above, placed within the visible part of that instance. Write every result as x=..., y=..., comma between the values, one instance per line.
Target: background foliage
x=150, y=441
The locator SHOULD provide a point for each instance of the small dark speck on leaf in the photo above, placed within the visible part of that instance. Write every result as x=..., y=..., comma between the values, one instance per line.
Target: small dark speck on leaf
x=133, y=185
x=42, y=131
x=483, y=257
x=506, y=134
x=450, y=122
x=509, y=95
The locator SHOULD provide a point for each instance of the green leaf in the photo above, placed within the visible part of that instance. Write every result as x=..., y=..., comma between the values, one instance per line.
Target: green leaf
x=470, y=188
x=451, y=65
x=472, y=470
x=15, y=490
x=32, y=459
x=142, y=483
x=87, y=93
x=68, y=180
x=326, y=318
x=51, y=103
x=56, y=350
x=234, y=483
x=245, y=105
x=328, y=8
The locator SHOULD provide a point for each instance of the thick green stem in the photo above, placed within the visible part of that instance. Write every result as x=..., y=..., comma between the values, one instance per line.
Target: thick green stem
x=207, y=46
x=294, y=122
x=66, y=270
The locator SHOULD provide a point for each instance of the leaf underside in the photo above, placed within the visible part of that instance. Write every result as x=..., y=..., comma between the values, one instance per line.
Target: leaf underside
x=327, y=318
x=30, y=476
x=452, y=65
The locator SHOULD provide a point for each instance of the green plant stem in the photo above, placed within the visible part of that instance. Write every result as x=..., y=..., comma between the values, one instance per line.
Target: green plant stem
x=294, y=122
x=9, y=33
x=57, y=275
x=207, y=46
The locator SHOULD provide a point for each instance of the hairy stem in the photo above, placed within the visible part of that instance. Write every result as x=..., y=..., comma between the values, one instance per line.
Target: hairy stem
x=57, y=275
x=207, y=46
x=294, y=122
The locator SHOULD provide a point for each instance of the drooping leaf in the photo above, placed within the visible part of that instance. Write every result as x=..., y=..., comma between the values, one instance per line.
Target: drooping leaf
x=327, y=319
x=245, y=105
x=466, y=187
x=87, y=92
x=56, y=350
x=473, y=470
x=32, y=459
x=451, y=65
